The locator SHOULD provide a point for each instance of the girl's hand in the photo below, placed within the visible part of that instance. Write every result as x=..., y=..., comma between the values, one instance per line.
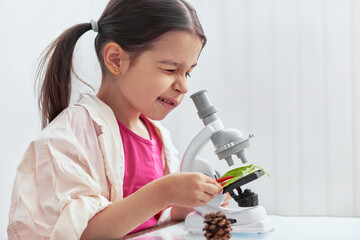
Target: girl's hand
x=226, y=202
x=190, y=189
x=180, y=213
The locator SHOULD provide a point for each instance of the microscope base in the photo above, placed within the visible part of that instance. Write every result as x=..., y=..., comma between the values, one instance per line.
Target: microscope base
x=194, y=222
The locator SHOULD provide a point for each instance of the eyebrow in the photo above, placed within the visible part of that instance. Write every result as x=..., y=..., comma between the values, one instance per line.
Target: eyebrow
x=169, y=62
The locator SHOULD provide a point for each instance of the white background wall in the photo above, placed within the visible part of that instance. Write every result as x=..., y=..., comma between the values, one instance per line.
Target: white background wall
x=287, y=71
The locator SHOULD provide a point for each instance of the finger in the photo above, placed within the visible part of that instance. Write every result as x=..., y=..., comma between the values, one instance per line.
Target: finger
x=226, y=201
x=206, y=197
x=211, y=189
x=201, y=203
x=225, y=204
x=214, y=182
x=211, y=180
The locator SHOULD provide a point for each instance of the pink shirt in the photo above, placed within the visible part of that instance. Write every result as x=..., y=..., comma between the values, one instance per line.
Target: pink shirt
x=143, y=163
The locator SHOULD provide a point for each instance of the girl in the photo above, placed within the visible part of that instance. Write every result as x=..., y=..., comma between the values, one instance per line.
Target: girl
x=103, y=167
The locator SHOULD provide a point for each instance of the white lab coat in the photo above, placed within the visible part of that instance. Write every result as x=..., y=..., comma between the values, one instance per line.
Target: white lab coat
x=72, y=171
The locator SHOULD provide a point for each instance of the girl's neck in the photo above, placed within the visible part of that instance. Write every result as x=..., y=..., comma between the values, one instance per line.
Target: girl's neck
x=122, y=110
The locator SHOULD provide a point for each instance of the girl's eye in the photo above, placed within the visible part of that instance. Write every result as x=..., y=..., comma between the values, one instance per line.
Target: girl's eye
x=173, y=70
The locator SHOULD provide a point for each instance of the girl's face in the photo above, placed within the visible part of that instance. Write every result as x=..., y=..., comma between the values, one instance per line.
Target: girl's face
x=156, y=82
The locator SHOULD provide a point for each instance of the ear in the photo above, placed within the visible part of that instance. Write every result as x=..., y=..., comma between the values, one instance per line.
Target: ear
x=114, y=56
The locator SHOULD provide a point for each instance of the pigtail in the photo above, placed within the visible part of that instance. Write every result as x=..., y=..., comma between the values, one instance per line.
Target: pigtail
x=54, y=72
x=133, y=25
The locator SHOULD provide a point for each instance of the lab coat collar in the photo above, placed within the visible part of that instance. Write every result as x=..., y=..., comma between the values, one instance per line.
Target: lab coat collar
x=110, y=141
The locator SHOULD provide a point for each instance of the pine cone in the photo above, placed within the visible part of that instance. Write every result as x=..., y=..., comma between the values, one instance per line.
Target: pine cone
x=217, y=226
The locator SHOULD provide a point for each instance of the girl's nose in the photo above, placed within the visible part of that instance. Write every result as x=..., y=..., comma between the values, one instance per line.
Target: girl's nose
x=180, y=85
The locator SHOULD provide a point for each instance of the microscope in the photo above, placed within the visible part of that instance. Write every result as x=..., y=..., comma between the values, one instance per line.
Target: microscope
x=249, y=216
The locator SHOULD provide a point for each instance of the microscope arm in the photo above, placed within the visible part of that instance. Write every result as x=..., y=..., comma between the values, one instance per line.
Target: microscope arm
x=191, y=163
x=197, y=144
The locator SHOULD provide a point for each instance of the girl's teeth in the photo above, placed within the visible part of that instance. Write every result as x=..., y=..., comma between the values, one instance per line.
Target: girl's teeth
x=166, y=101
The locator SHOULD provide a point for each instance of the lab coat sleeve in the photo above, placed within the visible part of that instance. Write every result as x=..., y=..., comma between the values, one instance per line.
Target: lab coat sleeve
x=59, y=187
x=79, y=195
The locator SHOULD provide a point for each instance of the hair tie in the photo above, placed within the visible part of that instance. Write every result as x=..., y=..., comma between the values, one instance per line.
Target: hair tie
x=94, y=26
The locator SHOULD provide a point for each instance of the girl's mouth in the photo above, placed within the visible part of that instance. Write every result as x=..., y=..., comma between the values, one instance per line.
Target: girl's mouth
x=168, y=102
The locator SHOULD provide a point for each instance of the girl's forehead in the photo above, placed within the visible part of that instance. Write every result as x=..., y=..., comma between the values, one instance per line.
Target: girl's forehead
x=177, y=38
x=180, y=44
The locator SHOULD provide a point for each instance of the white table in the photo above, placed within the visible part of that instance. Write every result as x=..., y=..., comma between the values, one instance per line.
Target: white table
x=289, y=228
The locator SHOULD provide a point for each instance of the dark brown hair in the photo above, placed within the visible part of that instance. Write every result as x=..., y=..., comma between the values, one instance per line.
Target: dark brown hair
x=133, y=24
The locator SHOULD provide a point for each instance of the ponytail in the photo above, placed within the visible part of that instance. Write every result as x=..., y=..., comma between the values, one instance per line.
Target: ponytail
x=54, y=72
x=134, y=25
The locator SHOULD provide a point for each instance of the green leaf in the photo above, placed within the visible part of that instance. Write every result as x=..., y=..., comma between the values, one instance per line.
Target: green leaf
x=240, y=172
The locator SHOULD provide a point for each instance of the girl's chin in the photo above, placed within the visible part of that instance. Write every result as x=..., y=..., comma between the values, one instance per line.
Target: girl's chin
x=156, y=117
